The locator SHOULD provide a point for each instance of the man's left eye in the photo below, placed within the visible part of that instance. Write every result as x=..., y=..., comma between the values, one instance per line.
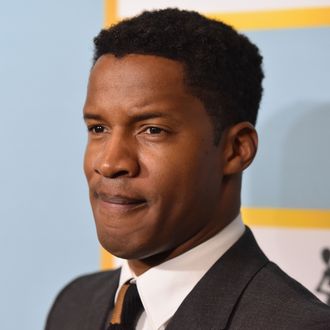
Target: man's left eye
x=154, y=130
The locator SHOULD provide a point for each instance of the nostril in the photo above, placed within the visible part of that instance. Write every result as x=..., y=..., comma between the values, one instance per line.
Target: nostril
x=119, y=174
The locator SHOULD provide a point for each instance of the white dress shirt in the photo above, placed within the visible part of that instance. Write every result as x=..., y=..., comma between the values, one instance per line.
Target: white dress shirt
x=164, y=287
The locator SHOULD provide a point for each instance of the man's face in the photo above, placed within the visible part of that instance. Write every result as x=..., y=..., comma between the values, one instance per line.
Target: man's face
x=153, y=170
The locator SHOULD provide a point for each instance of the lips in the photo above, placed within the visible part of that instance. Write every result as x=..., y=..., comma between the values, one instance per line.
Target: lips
x=119, y=199
x=119, y=202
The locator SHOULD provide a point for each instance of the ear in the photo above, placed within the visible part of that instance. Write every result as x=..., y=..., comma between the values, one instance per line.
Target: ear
x=240, y=143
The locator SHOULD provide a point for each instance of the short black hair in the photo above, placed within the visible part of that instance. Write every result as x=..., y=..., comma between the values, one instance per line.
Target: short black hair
x=222, y=67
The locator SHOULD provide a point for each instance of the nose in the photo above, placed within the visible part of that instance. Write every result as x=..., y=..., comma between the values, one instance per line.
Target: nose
x=117, y=158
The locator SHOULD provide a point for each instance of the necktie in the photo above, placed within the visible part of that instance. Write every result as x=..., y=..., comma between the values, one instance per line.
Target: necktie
x=127, y=309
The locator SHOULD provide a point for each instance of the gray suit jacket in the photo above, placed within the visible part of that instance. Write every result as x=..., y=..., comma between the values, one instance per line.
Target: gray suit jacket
x=243, y=290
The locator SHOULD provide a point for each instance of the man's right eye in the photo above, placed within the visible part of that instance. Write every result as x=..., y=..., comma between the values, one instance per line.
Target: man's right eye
x=96, y=129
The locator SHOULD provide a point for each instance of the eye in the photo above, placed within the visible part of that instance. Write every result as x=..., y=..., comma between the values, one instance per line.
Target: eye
x=96, y=129
x=154, y=130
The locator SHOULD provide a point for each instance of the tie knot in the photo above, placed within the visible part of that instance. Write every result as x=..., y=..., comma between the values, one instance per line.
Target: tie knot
x=127, y=308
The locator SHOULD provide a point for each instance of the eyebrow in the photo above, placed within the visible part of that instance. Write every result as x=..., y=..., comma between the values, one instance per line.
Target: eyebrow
x=149, y=115
x=91, y=116
x=134, y=118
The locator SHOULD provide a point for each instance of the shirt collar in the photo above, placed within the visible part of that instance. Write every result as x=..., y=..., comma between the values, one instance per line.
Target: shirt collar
x=164, y=287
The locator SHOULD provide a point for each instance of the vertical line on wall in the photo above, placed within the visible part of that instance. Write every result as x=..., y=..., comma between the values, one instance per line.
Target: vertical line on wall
x=110, y=12
x=107, y=260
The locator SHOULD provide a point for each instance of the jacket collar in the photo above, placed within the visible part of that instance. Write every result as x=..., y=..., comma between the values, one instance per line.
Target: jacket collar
x=103, y=301
x=211, y=303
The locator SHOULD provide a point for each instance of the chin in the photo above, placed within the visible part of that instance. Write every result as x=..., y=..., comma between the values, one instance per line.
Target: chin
x=122, y=248
x=128, y=250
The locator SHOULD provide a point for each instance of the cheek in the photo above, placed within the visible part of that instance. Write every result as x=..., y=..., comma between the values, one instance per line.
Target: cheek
x=89, y=157
x=181, y=174
x=87, y=160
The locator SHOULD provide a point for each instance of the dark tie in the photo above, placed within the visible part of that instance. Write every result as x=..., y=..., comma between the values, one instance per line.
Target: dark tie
x=127, y=309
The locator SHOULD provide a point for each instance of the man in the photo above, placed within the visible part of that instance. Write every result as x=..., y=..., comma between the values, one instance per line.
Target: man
x=170, y=110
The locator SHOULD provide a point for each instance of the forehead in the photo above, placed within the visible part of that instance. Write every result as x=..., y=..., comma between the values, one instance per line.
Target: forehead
x=144, y=71
x=135, y=81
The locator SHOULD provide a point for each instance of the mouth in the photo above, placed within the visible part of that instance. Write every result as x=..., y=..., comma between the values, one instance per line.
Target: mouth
x=119, y=203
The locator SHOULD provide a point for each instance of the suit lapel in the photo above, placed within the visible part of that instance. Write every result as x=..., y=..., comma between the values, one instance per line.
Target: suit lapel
x=102, y=302
x=211, y=303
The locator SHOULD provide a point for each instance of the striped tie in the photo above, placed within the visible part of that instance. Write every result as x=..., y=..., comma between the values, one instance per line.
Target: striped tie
x=127, y=309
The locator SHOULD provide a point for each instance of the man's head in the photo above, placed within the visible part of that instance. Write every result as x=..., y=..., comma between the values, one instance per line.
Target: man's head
x=221, y=67
x=165, y=86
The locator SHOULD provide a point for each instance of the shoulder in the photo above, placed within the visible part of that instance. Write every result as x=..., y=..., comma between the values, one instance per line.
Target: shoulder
x=273, y=297
x=78, y=301
x=85, y=287
x=87, y=284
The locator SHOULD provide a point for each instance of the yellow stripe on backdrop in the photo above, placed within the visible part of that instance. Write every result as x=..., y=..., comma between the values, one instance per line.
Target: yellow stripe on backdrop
x=253, y=20
x=276, y=19
x=287, y=218
x=266, y=217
